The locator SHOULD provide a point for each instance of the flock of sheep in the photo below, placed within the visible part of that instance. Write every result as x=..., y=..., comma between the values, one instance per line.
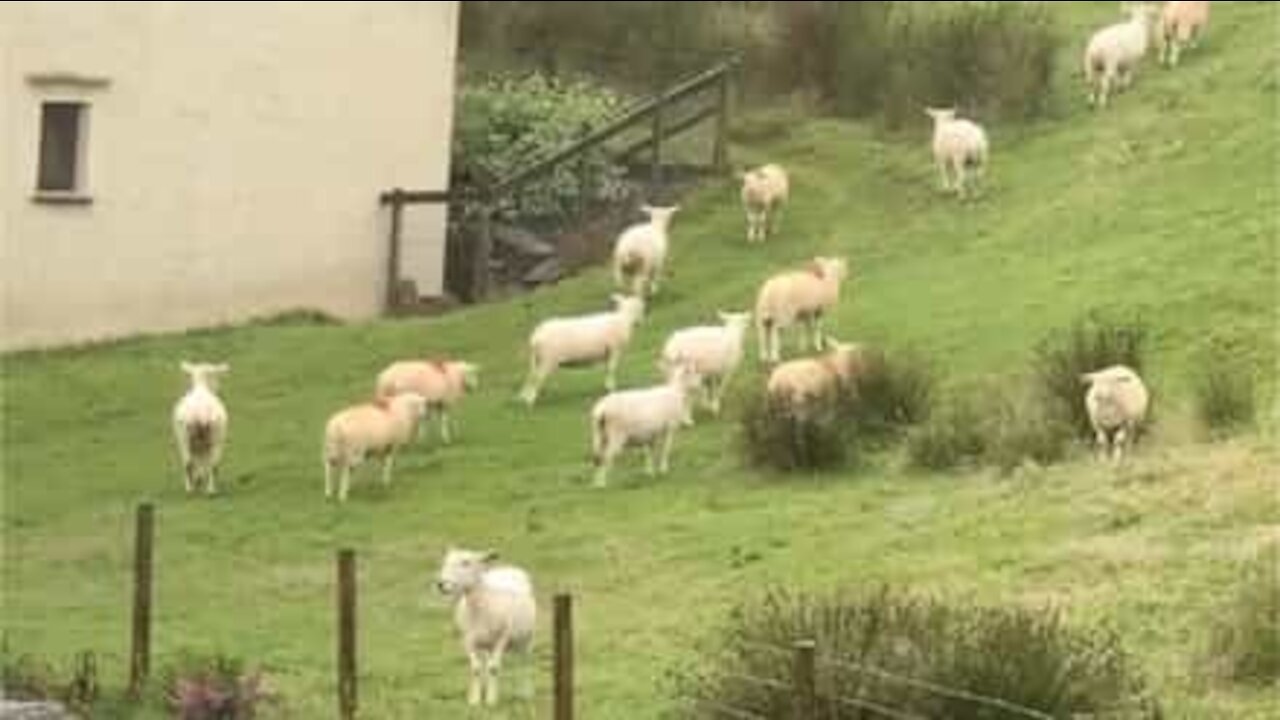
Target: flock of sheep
x=495, y=608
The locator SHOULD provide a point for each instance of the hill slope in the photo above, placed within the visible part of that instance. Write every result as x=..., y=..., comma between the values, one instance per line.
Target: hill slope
x=1164, y=205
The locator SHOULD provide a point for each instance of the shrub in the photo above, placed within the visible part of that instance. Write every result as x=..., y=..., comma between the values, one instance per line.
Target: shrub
x=773, y=438
x=1245, y=638
x=1022, y=426
x=1224, y=390
x=867, y=642
x=893, y=392
x=505, y=121
x=24, y=677
x=213, y=688
x=953, y=437
x=1090, y=344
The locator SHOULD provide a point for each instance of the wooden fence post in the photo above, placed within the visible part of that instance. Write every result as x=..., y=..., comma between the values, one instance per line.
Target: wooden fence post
x=563, y=667
x=803, y=677
x=483, y=248
x=655, y=170
x=346, y=634
x=393, y=252
x=720, y=145
x=584, y=179
x=143, y=577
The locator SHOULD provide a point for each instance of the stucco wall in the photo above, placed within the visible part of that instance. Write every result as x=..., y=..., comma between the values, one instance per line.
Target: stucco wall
x=235, y=157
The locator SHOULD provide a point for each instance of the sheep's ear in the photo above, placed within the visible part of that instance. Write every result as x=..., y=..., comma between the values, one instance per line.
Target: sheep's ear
x=617, y=298
x=1086, y=379
x=647, y=209
x=187, y=367
x=489, y=556
x=221, y=368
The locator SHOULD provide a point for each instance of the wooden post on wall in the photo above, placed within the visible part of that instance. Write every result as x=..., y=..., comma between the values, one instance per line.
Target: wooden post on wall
x=393, y=252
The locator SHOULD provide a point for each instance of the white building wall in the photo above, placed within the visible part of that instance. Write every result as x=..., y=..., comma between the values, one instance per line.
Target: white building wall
x=235, y=156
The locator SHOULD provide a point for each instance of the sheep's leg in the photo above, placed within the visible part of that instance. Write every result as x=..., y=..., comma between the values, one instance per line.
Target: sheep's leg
x=717, y=399
x=180, y=436
x=1118, y=444
x=475, y=686
x=491, y=671
x=211, y=479
x=611, y=371
x=533, y=383
x=664, y=460
x=648, y=458
x=1102, y=442
x=775, y=342
x=387, y=461
x=604, y=461
x=344, y=484
x=446, y=427
x=943, y=176
x=762, y=335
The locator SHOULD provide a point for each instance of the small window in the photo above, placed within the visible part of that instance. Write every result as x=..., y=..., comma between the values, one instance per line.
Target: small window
x=62, y=138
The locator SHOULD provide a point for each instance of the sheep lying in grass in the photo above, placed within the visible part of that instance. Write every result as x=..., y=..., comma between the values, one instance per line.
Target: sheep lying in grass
x=803, y=295
x=647, y=416
x=641, y=252
x=1114, y=52
x=200, y=426
x=713, y=352
x=581, y=340
x=376, y=429
x=960, y=150
x=442, y=383
x=1181, y=25
x=495, y=612
x=1117, y=401
x=798, y=384
x=765, y=191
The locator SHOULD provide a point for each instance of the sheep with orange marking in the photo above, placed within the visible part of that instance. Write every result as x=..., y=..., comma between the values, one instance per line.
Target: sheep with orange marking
x=765, y=190
x=798, y=384
x=442, y=383
x=797, y=296
x=370, y=430
x=1182, y=24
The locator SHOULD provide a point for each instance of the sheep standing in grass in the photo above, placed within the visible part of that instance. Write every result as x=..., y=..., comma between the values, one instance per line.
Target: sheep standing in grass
x=803, y=295
x=495, y=611
x=647, y=416
x=713, y=352
x=1182, y=23
x=1114, y=52
x=442, y=383
x=960, y=150
x=799, y=384
x=200, y=426
x=1116, y=400
x=765, y=191
x=641, y=252
x=581, y=340
x=376, y=429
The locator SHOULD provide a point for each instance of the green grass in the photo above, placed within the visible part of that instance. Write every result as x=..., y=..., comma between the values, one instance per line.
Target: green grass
x=1166, y=204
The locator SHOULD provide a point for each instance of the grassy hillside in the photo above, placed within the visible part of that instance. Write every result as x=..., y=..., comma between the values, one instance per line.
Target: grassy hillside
x=1165, y=205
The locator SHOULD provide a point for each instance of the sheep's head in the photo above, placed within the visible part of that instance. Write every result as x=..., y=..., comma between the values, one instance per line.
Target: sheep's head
x=941, y=115
x=684, y=376
x=832, y=267
x=631, y=306
x=470, y=374
x=739, y=321
x=660, y=216
x=461, y=570
x=206, y=374
x=411, y=405
x=1145, y=13
x=845, y=358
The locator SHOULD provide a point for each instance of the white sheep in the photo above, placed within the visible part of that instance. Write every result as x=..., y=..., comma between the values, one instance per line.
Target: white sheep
x=581, y=340
x=1182, y=23
x=960, y=150
x=1114, y=52
x=640, y=253
x=645, y=416
x=495, y=612
x=1117, y=401
x=803, y=295
x=376, y=429
x=798, y=384
x=712, y=351
x=200, y=426
x=765, y=190
x=442, y=383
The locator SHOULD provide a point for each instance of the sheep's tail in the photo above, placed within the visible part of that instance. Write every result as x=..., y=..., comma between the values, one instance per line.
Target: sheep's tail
x=200, y=438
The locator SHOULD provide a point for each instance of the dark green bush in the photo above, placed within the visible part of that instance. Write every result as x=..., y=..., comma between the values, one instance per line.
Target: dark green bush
x=23, y=677
x=773, y=438
x=953, y=436
x=1090, y=344
x=1224, y=390
x=893, y=393
x=505, y=122
x=1245, y=638
x=1028, y=657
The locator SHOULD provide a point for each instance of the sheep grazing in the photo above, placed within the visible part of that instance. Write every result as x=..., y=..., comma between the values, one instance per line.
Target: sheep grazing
x=495, y=612
x=376, y=429
x=960, y=150
x=442, y=383
x=200, y=426
x=1114, y=52
x=764, y=192
x=713, y=352
x=641, y=252
x=1117, y=403
x=647, y=417
x=798, y=384
x=581, y=340
x=1181, y=26
x=803, y=295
